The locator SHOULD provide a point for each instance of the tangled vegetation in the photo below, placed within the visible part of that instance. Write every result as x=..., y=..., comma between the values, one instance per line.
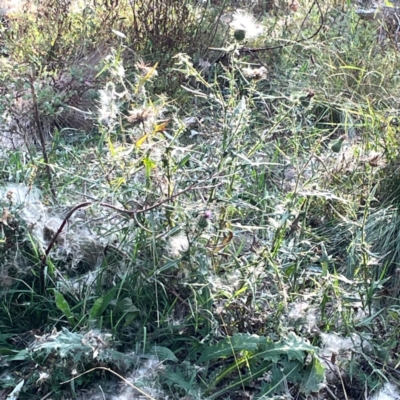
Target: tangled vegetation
x=198, y=202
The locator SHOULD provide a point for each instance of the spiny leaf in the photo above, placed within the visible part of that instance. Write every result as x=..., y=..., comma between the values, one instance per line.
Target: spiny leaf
x=294, y=347
x=313, y=377
x=231, y=346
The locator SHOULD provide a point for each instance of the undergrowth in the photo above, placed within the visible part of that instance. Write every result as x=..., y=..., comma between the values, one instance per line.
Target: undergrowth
x=192, y=218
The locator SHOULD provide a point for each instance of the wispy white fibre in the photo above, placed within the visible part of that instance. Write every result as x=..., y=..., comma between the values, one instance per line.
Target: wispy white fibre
x=177, y=245
x=108, y=109
x=245, y=21
x=388, y=392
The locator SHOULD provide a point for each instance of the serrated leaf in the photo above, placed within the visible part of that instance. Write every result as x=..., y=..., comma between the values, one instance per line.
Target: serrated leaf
x=294, y=347
x=313, y=377
x=231, y=346
x=178, y=379
x=64, y=344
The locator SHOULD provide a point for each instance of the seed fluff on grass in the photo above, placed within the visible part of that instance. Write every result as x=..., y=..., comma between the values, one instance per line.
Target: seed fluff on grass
x=108, y=108
x=177, y=245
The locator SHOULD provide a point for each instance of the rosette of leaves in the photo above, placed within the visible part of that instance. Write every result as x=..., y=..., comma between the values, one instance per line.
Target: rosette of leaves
x=245, y=360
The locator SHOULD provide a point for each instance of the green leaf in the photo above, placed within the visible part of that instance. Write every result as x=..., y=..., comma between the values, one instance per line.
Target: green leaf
x=20, y=356
x=294, y=347
x=125, y=305
x=14, y=395
x=102, y=303
x=163, y=353
x=4, y=351
x=149, y=165
x=231, y=346
x=280, y=374
x=313, y=377
x=63, y=305
x=254, y=372
x=178, y=379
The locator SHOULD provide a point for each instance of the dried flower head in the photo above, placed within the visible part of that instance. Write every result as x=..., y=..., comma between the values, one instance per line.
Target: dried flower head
x=246, y=23
x=255, y=73
x=140, y=116
x=294, y=6
x=375, y=159
x=146, y=71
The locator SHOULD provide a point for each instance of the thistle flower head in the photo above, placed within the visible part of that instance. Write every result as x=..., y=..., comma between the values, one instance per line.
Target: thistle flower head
x=146, y=71
x=244, y=23
x=137, y=116
x=255, y=73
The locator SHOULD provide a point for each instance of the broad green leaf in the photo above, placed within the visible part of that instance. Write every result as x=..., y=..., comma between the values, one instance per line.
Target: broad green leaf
x=231, y=346
x=4, y=351
x=125, y=305
x=102, y=303
x=20, y=356
x=63, y=305
x=293, y=347
x=130, y=317
x=180, y=380
x=313, y=377
x=280, y=373
x=163, y=353
x=255, y=372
